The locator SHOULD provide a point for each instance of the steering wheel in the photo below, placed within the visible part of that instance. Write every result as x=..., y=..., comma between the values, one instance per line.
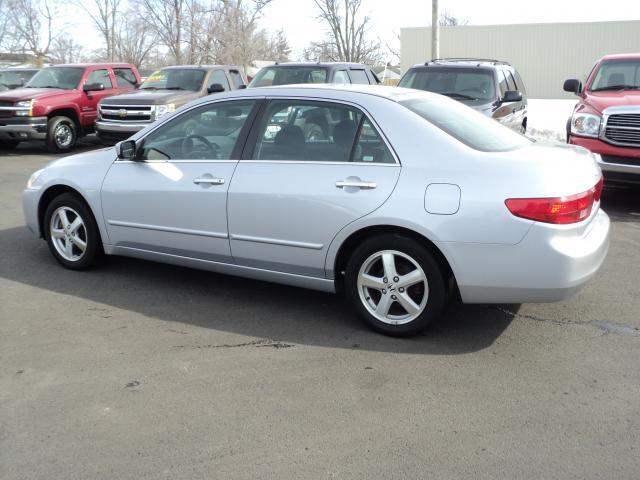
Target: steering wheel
x=211, y=150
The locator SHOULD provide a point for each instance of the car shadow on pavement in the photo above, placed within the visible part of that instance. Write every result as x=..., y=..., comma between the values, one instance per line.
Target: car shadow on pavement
x=258, y=309
x=622, y=204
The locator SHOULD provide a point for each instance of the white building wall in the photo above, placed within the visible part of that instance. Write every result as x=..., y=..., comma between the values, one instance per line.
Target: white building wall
x=545, y=54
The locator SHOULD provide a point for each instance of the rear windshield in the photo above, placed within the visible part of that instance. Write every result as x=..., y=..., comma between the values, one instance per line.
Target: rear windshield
x=473, y=84
x=67, y=78
x=175, y=79
x=289, y=75
x=466, y=125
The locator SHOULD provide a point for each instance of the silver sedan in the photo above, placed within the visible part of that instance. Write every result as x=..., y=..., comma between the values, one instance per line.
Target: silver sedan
x=402, y=199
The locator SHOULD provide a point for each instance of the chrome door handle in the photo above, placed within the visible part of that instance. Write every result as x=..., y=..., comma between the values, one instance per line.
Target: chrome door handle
x=355, y=184
x=209, y=180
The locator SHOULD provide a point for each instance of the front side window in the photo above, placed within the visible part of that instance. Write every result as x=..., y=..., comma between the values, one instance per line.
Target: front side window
x=175, y=79
x=236, y=78
x=218, y=76
x=617, y=75
x=465, y=125
x=125, y=77
x=318, y=132
x=511, y=83
x=504, y=86
x=473, y=85
x=209, y=132
x=359, y=76
x=67, y=78
x=99, y=76
x=289, y=75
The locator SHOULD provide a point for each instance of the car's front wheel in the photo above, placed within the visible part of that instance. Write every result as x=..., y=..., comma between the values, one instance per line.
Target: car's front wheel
x=395, y=284
x=62, y=134
x=71, y=232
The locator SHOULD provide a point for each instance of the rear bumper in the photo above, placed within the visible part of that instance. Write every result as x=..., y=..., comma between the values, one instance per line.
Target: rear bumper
x=619, y=164
x=550, y=264
x=23, y=128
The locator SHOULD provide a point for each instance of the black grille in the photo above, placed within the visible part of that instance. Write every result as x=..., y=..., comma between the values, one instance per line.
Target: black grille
x=128, y=118
x=621, y=160
x=6, y=113
x=623, y=129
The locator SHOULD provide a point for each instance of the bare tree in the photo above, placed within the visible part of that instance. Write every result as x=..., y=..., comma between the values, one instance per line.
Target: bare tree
x=447, y=19
x=347, y=32
x=167, y=19
x=64, y=49
x=104, y=14
x=134, y=43
x=31, y=23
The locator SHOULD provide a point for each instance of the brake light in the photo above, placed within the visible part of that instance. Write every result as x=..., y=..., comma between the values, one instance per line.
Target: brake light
x=559, y=210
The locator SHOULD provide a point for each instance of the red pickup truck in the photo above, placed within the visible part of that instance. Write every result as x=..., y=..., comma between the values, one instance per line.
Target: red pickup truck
x=60, y=103
x=606, y=120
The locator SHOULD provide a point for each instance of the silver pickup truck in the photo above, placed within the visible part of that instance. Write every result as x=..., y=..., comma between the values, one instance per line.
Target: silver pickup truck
x=166, y=89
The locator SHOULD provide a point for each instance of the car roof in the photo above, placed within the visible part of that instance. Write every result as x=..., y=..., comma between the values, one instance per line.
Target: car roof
x=85, y=65
x=462, y=63
x=622, y=56
x=317, y=64
x=198, y=67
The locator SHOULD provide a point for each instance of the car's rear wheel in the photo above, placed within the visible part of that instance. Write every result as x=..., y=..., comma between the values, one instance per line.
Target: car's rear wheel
x=62, y=134
x=8, y=144
x=71, y=232
x=395, y=284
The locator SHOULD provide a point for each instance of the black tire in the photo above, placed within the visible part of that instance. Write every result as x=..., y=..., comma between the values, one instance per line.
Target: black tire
x=62, y=134
x=89, y=233
x=8, y=144
x=524, y=127
x=437, y=291
x=568, y=128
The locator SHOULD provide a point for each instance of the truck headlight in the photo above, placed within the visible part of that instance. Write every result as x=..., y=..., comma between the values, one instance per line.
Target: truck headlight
x=28, y=104
x=585, y=124
x=161, y=110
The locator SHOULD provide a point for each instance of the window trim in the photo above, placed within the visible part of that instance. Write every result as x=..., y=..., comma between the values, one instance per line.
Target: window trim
x=226, y=85
x=252, y=139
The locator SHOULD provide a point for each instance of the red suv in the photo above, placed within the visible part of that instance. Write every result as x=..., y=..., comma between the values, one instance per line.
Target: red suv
x=606, y=120
x=60, y=103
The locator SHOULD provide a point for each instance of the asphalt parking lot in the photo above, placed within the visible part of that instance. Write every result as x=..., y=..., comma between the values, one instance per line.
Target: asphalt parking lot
x=141, y=370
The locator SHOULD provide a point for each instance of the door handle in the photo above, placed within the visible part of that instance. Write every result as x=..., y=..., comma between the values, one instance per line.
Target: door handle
x=356, y=184
x=209, y=180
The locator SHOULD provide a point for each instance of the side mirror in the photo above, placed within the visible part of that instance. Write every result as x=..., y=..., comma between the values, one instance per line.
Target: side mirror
x=512, y=96
x=572, y=85
x=93, y=87
x=215, y=88
x=126, y=150
x=242, y=87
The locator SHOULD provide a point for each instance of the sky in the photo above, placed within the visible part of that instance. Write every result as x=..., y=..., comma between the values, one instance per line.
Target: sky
x=298, y=18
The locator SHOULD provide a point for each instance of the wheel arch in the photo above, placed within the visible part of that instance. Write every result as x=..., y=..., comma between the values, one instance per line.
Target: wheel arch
x=67, y=112
x=52, y=192
x=348, y=246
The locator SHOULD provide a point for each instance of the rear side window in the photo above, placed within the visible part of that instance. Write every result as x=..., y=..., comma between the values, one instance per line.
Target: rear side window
x=318, y=131
x=218, y=76
x=511, y=83
x=341, y=77
x=124, y=77
x=236, y=78
x=359, y=76
x=466, y=125
x=289, y=75
x=520, y=83
x=100, y=76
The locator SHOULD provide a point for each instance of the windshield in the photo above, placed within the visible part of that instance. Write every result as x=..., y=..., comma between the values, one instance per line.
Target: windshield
x=617, y=75
x=466, y=125
x=67, y=78
x=473, y=84
x=175, y=79
x=269, y=76
x=14, y=79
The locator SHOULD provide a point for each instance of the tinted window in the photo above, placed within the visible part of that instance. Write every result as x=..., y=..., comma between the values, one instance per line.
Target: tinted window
x=466, y=125
x=218, y=76
x=341, y=77
x=472, y=84
x=207, y=133
x=236, y=78
x=289, y=75
x=511, y=83
x=359, y=76
x=99, y=76
x=175, y=79
x=617, y=73
x=317, y=131
x=124, y=77
x=57, y=77
x=520, y=83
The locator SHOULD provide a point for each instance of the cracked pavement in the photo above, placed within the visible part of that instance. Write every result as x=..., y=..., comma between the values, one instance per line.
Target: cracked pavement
x=139, y=370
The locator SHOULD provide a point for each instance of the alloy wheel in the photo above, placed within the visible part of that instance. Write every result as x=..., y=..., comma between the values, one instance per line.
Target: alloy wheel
x=68, y=233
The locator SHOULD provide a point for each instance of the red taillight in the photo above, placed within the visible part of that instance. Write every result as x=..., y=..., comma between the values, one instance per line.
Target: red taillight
x=560, y=210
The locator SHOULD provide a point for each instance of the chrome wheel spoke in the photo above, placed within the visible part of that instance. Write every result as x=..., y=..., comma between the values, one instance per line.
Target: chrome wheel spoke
x=57, y=233
x=409, y=305
x=383, y=305
x=81, y=244
x=62, y=214
x=370, y=281
x=389, y=265
x=411, y=278
x=77, y=223
x=68, y=248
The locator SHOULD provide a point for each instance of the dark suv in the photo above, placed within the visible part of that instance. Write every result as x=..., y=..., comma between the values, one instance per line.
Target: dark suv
x=308, y=72
x=161, y=93
x=492, y=87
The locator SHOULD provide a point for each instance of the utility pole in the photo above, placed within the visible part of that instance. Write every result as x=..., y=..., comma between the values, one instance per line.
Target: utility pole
x=435, y=30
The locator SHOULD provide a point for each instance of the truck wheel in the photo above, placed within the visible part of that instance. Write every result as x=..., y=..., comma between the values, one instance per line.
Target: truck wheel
x=62, y=134
x=8, y=144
